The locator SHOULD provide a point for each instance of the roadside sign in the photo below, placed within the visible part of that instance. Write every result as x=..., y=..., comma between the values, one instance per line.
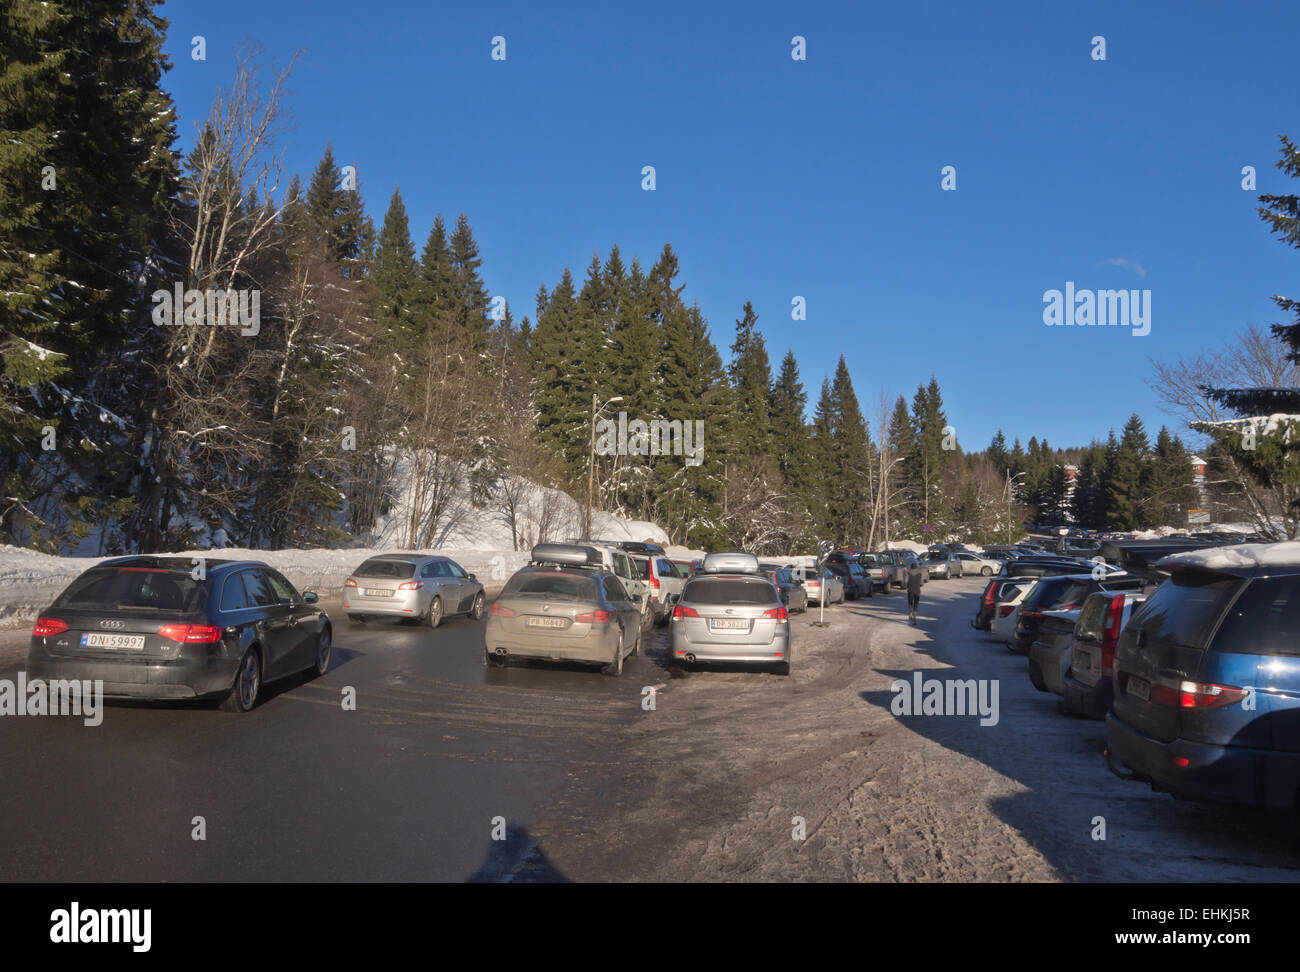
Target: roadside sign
x=1198, y=517
x=927, y=528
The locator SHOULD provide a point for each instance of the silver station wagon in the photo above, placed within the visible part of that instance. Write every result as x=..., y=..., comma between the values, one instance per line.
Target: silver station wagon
x=730, y=612
x=564, y=606
x=418, y=587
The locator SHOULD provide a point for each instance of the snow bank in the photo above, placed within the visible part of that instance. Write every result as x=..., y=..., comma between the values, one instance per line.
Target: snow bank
x=29, y=580
x=1284, y=554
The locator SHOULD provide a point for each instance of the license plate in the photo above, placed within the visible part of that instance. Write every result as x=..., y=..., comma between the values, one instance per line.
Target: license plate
x=98, y=640
x=378, y=592
x=1139, y=688
x=544, y=622
x=728, y=624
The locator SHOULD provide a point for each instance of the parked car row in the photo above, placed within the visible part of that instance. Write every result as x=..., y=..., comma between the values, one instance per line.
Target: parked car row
x=1191, y=656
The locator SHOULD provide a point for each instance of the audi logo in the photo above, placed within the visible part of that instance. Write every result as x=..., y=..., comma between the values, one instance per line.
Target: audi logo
x=115, y=625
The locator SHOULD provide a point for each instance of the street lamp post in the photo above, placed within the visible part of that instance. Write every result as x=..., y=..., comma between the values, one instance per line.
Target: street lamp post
x=591, y=455
x=1011, y=482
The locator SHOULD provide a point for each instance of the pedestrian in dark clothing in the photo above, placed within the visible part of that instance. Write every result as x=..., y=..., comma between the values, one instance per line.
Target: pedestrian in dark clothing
x=915, y=578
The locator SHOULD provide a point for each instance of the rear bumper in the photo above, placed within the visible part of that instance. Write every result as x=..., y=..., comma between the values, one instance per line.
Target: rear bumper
x=777, y=650
x=184, y=677
x=1092, y=701
x=595, y=651
x=1049, y=665
x=1216, y=774
x=406, y=606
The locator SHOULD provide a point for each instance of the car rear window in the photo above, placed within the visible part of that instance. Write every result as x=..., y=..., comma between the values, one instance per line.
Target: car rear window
x=1044, y=593
x=1093, y=616
x=385, y=568
x=726, y=590
x=642, y=567
x=1265, y=620
x=133, y=589
x=1183, y=607
x=548, y=584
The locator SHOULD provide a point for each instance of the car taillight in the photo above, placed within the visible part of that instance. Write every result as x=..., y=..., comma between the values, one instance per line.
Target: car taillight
x=1110, y=637
x=499, y=610
x=1197, y=695
x=411, y=586
x=680, y=612
x=191, y=633
x=349, y=583
x=49, y=626
x=654, y=582
x=779, y=614
x=1006, y=610
x=988, y=595
x=593, y=617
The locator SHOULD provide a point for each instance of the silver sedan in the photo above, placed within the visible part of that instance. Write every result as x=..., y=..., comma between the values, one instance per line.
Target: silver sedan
x=418, y=587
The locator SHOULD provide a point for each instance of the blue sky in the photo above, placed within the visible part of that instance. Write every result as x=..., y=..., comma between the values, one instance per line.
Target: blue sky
x=821, y=178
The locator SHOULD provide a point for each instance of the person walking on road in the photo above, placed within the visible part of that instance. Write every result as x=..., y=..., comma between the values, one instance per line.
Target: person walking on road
x=915, y=578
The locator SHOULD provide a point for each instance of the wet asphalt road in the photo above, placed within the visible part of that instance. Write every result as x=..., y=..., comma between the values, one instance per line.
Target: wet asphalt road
x=406, y=787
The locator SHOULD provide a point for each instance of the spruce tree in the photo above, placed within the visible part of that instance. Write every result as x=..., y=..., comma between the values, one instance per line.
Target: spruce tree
x=394, y=273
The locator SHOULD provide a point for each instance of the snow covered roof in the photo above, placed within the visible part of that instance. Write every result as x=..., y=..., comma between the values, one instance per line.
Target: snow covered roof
x=1239, y=556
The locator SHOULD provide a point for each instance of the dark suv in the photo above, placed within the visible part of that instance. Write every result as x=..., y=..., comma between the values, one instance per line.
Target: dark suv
x=857, y=582
x=1063, y=593
x=176, y=628
x=1207, y=679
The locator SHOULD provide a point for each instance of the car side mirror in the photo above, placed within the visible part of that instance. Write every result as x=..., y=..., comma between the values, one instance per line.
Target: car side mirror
x=674, y=598
x=472, y=577
x=311, y=597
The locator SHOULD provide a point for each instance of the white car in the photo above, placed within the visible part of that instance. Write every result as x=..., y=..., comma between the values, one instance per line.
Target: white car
x=1003, y=626
x=618, y=563
x=831, y=585
x=975, y=564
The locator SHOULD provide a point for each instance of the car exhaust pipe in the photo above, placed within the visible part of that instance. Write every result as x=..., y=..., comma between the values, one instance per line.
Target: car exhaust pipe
x=1124, y=774
x=501, y=653
x=690, y=659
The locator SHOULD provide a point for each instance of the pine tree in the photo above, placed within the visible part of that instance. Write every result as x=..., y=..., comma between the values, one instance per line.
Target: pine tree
x=1129, y=478
x=87, y=175
x=1265, y=441
x=751, y=378
x=850, y=497
x=787, y=405
x=472, y=299
x=395, y=274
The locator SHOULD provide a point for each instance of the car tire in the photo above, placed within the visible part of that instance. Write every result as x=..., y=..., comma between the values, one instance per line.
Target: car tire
x=986, y=572
x=781, y=668
x=476, y=609
x=248, y=683
x=435, y=613
x=636, y=648
x=324, y=651
x=1036, y=676
x=615, y=668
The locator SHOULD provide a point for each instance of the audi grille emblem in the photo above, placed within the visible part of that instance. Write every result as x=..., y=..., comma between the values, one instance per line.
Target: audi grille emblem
x=115, y=625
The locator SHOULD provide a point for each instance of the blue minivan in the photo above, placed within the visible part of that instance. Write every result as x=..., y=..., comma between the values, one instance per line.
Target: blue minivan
x=1207, y=679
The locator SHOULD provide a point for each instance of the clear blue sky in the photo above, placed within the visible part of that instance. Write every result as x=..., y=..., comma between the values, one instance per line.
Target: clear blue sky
x=821, y=178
